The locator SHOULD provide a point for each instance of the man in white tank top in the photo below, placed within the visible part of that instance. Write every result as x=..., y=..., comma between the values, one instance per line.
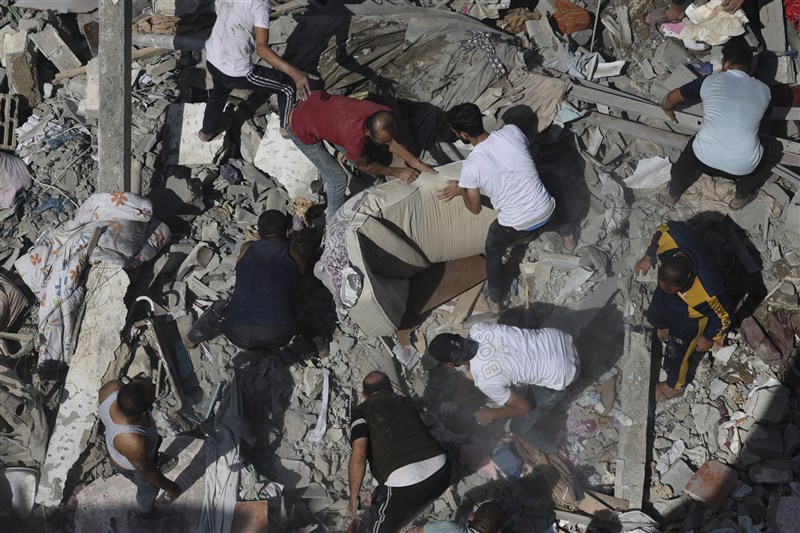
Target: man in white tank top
x=132, y=439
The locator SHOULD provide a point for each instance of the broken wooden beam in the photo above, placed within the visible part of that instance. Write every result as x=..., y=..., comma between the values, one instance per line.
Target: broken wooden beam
x=634, y=129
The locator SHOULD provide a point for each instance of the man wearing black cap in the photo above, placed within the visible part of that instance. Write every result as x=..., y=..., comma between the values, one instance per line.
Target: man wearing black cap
x=411, y=468
x=500, y=357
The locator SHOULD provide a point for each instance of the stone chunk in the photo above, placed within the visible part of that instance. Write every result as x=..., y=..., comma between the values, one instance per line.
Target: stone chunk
x=769, y=403
x=677, y=476
x=712, y=483
x=764, y=441
x=284, y=162
x=770, y=474
x=787, y=514
x=759, y=342
x=53, y=47
x=181, y=144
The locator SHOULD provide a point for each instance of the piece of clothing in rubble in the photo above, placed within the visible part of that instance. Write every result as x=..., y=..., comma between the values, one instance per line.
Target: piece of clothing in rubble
x=482, y=41
x=229, y=52
x=408, y=463
x=702, y=307
x=727, y=144
x=545, y=360
x=54, y=267
x=502, y=168
x=339, y=120
x=14, y=179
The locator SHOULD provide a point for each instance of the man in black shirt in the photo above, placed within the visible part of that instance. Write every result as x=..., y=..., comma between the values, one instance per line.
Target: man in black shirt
x=408, y=463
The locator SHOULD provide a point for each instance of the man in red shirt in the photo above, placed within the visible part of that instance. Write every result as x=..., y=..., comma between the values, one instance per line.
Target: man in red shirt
x=348, y=124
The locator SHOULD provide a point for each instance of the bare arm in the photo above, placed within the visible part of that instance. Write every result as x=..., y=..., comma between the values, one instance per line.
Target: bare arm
x=515, y=406
x=472, y=199
x=673, y=98
x=356, y=470
x=301, y=250
x=265, y=52
x=364, y=164
x=134, y=448
x=411, y=160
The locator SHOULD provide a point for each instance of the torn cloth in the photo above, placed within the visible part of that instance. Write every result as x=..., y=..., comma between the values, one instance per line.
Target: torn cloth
x=480, y=40
x=53, y=268
x=714, y=194
x=14, y=178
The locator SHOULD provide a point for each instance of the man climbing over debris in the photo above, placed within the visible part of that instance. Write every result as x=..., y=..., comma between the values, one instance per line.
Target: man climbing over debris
x=690, y=307
x=132, y=440
x=500, y=357
x=263, y=312
x=242, y=26
x=348, y=124
x=501, y=167
x=727, y=144
x=488, y=518
x=411, y=468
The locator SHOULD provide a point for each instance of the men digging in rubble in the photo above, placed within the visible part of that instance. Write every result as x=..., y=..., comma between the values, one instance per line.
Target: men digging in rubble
x=727, y=144
x=411, y=468
x=501, y=357
x=488, y=518
x=690, y=306
x=263, y=312
x=132, y=440
x=501, y=167
x=348, y=124
x=242, y=26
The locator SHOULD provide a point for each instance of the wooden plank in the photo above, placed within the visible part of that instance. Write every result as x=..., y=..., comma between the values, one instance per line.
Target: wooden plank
x=465, y=303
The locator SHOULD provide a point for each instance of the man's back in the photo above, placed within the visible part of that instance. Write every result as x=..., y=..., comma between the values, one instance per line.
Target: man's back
x=508, y=355
x=733, y=108
x=502, y=168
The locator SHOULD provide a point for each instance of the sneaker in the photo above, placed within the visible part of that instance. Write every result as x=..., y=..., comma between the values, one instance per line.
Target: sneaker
x=206, y=137
x=495, y=307
x=738, y=203
x=167, y=462
x=187, y=343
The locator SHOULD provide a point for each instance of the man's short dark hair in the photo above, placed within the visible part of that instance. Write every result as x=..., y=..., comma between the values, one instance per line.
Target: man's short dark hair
x=466, y=118
x=272, y=222
x=452, y=348
x=132, y=398
x=382, y=120
x=489, y=518
x=376, y=381
x=674, y=271
x=737, y=52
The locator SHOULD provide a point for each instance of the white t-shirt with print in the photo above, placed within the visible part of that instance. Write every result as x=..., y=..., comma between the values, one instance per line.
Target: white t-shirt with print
x=510, y=356
x=233, y=39
x=503, y=169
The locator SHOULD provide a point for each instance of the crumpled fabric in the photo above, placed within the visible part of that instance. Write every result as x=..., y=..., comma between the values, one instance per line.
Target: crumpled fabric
x=334, y=269
x=714, y=194
x=53, y=268
x=14, y=178
x=481, y=40
x=711, y=24
x=21, y=408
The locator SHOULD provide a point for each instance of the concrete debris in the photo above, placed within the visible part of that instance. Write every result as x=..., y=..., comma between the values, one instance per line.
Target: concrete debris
x=712, y=483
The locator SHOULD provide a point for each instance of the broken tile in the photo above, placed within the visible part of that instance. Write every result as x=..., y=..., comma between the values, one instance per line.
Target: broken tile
x=712, y=483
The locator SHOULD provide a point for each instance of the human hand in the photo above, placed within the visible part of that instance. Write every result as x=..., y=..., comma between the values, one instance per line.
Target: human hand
x=662, y=334
x=352, y=509
x=703, y=344
x=732, y=5
x=670, y=113
x=173, y=491
x=484, y=416
x=301, y=80
x=423, y=167
x=250, y=235
x=407, y=175
x=643, y=265
x=449, y=191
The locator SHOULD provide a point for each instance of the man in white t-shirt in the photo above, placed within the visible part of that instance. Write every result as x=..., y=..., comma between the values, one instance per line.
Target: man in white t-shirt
x=500, y=357
x=500, y=167
x=242, y=27
x=727, y=144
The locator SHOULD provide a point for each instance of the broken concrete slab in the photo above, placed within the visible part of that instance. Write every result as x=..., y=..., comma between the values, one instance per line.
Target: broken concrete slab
x=677, y=476
x=768, y=403
x=283, y=161
x=53, y=47
x=95, y=352
x=712, y=483
x=181, y=144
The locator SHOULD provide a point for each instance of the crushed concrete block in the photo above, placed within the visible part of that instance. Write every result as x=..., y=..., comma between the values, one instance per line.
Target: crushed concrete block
x=250, y=140
x=53, y=47
x=22, y=78
x=712, y=483
x=791, y=440
x=787, y=514
x=677, y=476
x=764, y=441
x=781, y=334
x=91, y=102
x=14, y=42
x=95, y=352
x=181, y=144
x=770, y=474
x=284, y=162
x=5, y=30
x=759, y=342
x=162, y=67
x=769, y=403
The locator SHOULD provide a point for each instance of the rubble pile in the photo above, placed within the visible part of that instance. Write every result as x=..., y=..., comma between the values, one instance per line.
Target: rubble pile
x=583, y=80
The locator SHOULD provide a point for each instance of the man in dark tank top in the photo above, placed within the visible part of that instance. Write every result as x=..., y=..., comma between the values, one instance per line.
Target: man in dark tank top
x=263, y=310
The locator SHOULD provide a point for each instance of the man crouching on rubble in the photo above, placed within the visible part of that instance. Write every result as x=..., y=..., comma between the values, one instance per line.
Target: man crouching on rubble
x=500, y=357
x=132, y=440
x=690, y=307
x=501, y=167
x=408, y=463
x=263, y=312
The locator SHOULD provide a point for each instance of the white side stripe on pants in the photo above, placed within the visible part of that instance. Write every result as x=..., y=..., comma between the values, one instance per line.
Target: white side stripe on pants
x=276, y=85
x=382, y=511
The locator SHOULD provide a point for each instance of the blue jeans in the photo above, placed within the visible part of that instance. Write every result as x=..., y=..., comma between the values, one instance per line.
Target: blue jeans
x=542, y=401
x=145, y=492
x=335, y=176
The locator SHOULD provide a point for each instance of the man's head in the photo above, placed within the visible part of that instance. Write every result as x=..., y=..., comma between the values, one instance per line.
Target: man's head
x=381, y=127
x=135, y=398
x=673, y=273
x=466, y=121
x=272, y=225
x=374, y=382
x=452, y=349
x=488, y=518
x=737, y=54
